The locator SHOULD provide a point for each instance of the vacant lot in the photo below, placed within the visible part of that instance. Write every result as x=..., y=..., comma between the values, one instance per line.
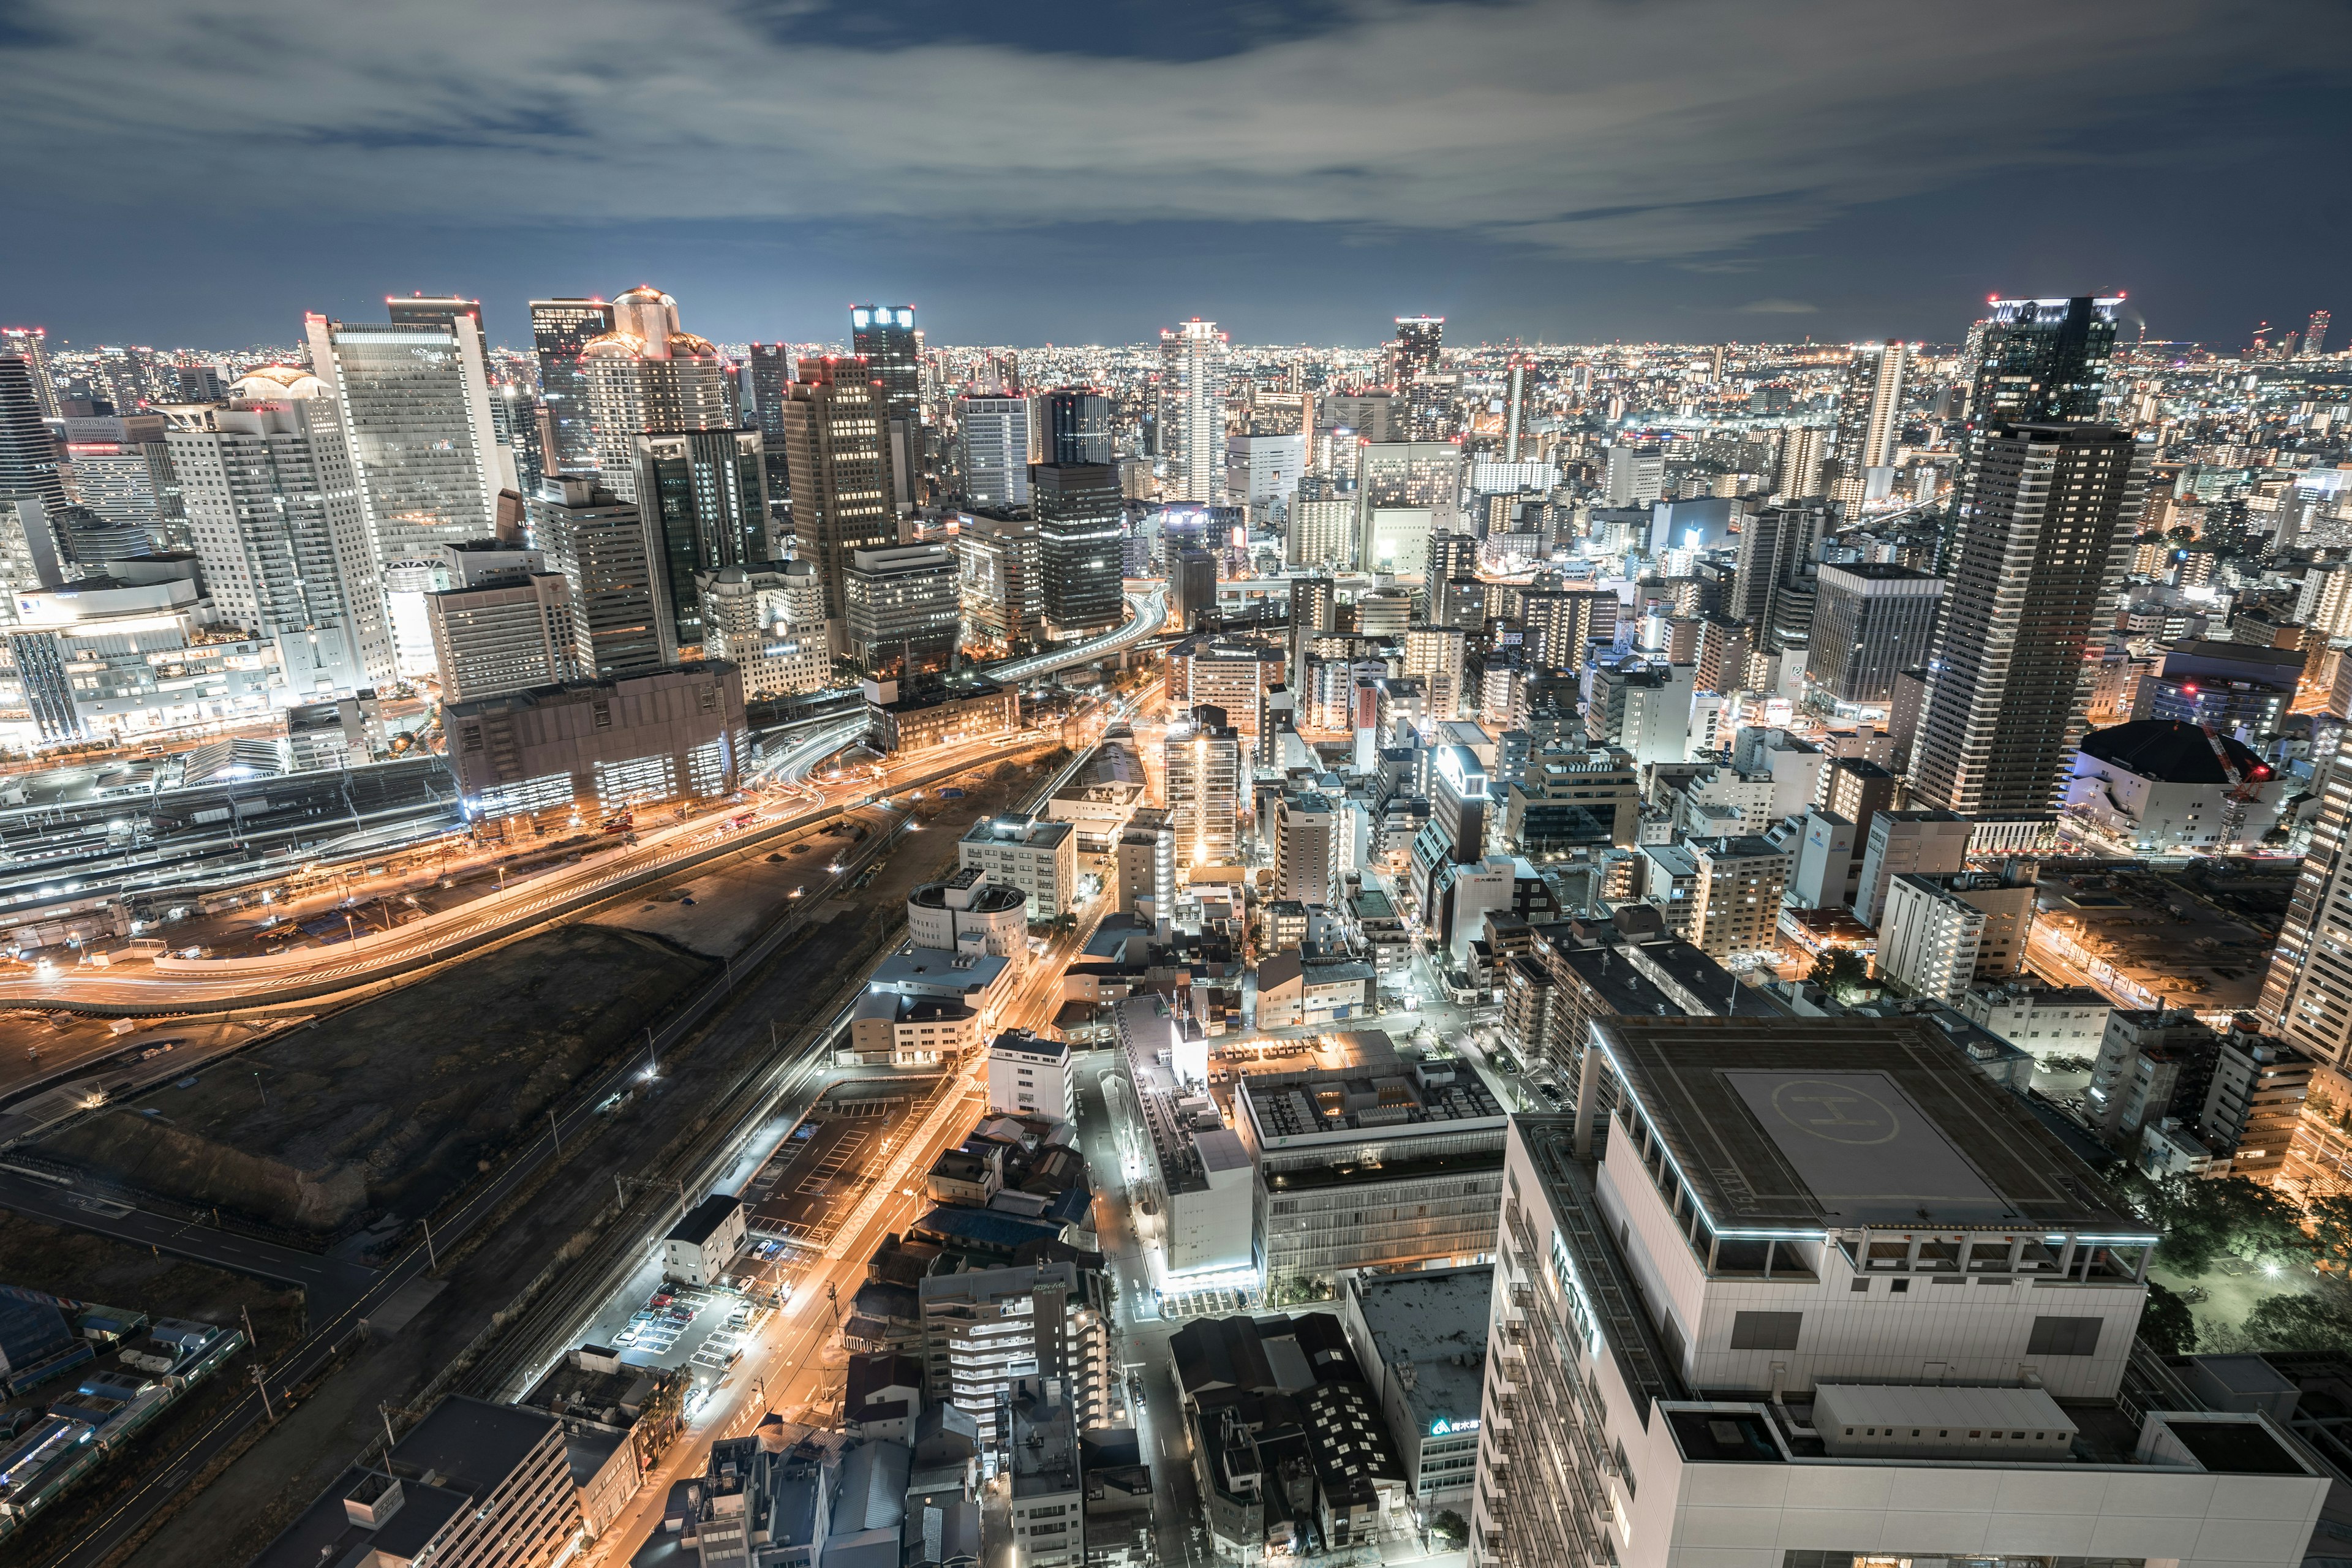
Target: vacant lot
x=393, y=1105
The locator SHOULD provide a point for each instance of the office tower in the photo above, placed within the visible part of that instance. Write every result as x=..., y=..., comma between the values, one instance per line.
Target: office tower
x=1195, y=586
x=29, y=453
x=598, y=542
x=647, y=374
x=1261, y=472
x=834, y=419
x=415, y=401
x=769, y=622
x=1419, y=345
x=702, y=495
x=1075, y=426
x=1322, y=528
x=2314, y=335
x=1733, y=1421
x=1003, y=583
x=1869, y=417
x=1633, y=476
x=1405, y=491
x=768, y=374
x=1436, y=656
x=1204, y=788
x=200, y=384
x=31, y=344
x=885, y=337
x=993, y=449
x=1642, y=707
x=900, y=610
x=1192, y=409
x=1871, y=623
x=517, y=425
x=118, y=466
x=2042, y=360
x=1775, y=570
x=1900, y=843
x=276, y=519
x=30, y=559
x=1306, y=848
x=1802, y=450
x=1080, y=528
x=559, y=330
x=504, y=623
x=2043, y=530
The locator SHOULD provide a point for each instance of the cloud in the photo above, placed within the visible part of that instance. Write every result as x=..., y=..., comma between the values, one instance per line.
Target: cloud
x=1778, y=308
x=1586, y=129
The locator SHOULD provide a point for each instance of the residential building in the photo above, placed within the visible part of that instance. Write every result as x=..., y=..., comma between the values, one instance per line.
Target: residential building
x=274, y=514
x=1437, y=657
x=1306, y=850
x=1562, y=624
x=2040, y=359
x=2044, y=514
x=1931, y=843
x=1642, y=708
x=901, y=613
x=1205, y=787
x=1048, y=1495
x=1035, y=854
x=1230, y=674
x=984, y=1329
x=2047, y=1020
x=473, y=1485
x=2256, y=1104
x=1872, y=621
x=768, y=620
x=1736, y=895
x=601, y=745
x=1144, y=867
x=1942, y=935
x=1869, y=418
x=1705, y=1186
x=705, y=1240
x=1191, y=410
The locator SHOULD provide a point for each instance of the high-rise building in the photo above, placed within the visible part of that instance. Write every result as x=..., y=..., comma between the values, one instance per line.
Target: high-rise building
x=1322, y=529
x=900, y=610
x=28, y=452
x=1192, y=409
x=414, y=400
x=648, y=374
x=769, y=622
x=2044, y=526
x=2307, y=995
x=276, y=522
x=1796, y=1320
x=1869, y=417
x=31, y=344
x=767, y=374
x=1436, y=657
x=560, y=328
x=2041, y=360
x=702, y=496
x=1003, y=587
x=835, y=428
x=1204, y=788
x=1872, y=621
x=503, y=625
x=598, y=542
x=886, y=338
x=993, y=449
x=1803, y=448
x=1080, y=529
x=1306, y=848
x=1405, y=491
x=1633, y=475
x=2314, y=335
x=1419, y=345
x=1075, y=426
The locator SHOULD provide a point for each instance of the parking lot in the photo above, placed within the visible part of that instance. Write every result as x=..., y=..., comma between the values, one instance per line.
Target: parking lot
x=678, y=1326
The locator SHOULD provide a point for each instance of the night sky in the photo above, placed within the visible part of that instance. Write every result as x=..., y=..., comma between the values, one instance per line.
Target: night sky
x=202, y=171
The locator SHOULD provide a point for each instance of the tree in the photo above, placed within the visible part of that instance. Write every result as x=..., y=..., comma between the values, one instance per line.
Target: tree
x=2331, y=1230
x=2166, y=1323
x=2299, y=1323
x=1842, y=973
x=1452, y=1530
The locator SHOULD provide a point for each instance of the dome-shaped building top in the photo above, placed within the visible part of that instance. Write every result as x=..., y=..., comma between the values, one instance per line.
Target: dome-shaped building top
x=265, y=383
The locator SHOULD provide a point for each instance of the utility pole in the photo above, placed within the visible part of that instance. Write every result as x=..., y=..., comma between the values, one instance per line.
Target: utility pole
x=262, y=1383
x=555, y=1131
x=250, y=1337
x=431, y=1258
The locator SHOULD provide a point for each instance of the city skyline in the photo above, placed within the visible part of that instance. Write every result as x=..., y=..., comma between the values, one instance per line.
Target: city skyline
x=1525, y=171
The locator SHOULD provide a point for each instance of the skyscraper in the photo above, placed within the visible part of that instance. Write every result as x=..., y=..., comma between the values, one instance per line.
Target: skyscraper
x=1419, y=344
x=1192, y=409
x=2038, y=360
x=29, y=453
x=1080, y=527
x=1872, y=621
x=993, y=449
x=2044, y=536
x=598, y=542
x=504, y=623
x=560, y=328
x=885, y=337
x=647, y=374
x=1075, y=426
x=1869, y=417
x=834, y=431
x=770, y=372
x=31, y=344
x=1405, y=491
x=275, y=515
x=2307, y=995
x=2314, y=335
x=702, y=495
x=414, y=402
x=1205, y=785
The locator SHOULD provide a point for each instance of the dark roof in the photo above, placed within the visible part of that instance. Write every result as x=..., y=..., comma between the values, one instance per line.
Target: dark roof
x=472, y=1444
x=1220, y=1353
x=2173, y=753
x=703, y=1222
x=985, y=1228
